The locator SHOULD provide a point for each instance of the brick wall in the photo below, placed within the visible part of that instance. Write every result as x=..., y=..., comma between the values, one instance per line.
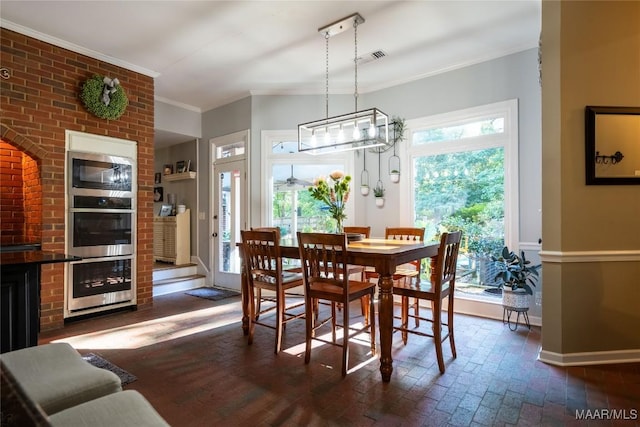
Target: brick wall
x=39, y=101
x=12, y=197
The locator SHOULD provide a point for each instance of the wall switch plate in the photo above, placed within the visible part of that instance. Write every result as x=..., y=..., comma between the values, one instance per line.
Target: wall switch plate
x=539, y=298
x=201, y=216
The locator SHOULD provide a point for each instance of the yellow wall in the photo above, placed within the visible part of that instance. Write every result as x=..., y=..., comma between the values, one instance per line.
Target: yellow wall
x=591, y=234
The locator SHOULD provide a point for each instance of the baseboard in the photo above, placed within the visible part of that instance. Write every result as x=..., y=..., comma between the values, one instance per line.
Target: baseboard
x=589, y=358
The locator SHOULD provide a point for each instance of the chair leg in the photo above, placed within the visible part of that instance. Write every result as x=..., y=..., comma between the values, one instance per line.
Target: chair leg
x=309, y=320
x=437, y=333
x=279, y=319
x=252, y=314
x=404, y=319
x=372, y=317
x=345, y=339
x=416, y=311
x=364, y=305
x=450, y=326
x=333, y=321
x=258, y=299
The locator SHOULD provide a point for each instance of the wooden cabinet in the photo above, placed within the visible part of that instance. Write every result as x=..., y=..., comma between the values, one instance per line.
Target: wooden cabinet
x=172, y=238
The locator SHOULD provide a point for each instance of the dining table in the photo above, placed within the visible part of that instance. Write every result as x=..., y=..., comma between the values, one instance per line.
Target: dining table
x=384, y=255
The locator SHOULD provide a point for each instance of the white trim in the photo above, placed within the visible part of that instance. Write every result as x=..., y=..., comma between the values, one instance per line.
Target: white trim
x=177, y=104
x=75, y=48
x=489, y=310
x=530, y=246
x=589, y=358
x=589, y=256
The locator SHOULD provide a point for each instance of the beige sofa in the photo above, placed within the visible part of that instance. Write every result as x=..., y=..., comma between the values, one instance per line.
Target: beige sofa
x=52, y=385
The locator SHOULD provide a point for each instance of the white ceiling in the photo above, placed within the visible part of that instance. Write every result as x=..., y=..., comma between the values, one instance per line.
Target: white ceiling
x=204, y=54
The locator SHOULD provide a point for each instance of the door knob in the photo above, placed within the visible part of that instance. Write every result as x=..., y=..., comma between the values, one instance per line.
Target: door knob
x=215, y=234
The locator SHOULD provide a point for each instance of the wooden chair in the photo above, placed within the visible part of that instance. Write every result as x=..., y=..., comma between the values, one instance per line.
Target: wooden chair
x=365, y=231
x=258, y=291
x=326, y=277
x=407, y=272
x=263, y=266
x=440, y=286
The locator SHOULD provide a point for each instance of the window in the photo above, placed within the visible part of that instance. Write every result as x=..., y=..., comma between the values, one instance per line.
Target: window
x=287, y=202
x=464, y=177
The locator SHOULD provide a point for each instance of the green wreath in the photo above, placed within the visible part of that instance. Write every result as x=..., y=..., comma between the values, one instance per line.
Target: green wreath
x=92, y=97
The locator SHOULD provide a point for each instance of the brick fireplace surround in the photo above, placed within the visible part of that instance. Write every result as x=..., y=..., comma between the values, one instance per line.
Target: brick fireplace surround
x=39, y=101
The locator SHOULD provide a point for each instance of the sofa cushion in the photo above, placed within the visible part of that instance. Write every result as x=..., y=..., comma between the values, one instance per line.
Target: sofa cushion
x=127, y=408
x=56, y=377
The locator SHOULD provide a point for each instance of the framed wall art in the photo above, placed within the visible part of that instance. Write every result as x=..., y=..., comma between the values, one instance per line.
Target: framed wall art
x=612, y=145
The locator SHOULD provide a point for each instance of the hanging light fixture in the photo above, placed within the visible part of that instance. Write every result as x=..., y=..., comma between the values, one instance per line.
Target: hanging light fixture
x=360, y=129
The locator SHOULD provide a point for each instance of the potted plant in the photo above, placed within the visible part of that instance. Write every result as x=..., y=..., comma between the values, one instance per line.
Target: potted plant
x=394, y=175
x=516, y=276
x=364, y=189
x=378, y=192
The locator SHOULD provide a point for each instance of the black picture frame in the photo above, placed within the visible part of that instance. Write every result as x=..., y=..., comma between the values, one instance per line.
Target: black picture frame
x=612, y=145
x=157, y=179
x=180, y=166
x=158, y=194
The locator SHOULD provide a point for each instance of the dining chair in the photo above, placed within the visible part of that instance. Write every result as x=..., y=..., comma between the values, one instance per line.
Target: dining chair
x=364, y=231
x=406, y=272
x=326, y=277
x=440, y=286
x=297, y=269
x=263, y=267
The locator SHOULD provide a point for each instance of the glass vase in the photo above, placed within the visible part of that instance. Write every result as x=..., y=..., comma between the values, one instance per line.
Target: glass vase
x=339, y=227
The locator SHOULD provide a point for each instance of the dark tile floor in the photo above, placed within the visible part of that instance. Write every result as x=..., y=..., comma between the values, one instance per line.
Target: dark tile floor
x=194, y=365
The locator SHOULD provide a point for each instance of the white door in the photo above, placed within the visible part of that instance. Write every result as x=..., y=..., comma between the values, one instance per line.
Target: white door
x=229, y=217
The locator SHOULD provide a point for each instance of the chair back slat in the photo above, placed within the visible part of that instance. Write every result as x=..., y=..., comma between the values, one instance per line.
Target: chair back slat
x=446, y=262
x=262, y=257
x=323, y=259
x=365, y=231
x=405, y=233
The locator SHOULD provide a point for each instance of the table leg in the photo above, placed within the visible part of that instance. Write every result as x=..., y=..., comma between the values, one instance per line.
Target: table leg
x=385, y=320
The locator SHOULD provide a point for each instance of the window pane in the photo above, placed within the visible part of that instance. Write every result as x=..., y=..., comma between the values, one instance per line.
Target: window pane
x=464, y=191
x=460, y=131
x=293, y=207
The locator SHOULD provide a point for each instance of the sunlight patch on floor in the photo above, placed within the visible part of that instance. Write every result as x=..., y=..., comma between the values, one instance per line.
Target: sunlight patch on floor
x=151, y=332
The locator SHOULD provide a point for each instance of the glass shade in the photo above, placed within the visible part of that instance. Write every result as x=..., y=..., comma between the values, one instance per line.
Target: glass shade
x=362, y=129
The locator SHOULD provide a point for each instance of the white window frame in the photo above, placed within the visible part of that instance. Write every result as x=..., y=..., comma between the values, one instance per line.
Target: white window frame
x=270, y=137
x=507, y=139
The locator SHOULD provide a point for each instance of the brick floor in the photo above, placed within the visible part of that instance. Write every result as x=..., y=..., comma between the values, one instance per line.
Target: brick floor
x=194, y=365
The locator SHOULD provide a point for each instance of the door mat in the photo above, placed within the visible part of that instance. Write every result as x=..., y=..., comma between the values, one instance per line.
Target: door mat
x=212, y=293
x=100, y=362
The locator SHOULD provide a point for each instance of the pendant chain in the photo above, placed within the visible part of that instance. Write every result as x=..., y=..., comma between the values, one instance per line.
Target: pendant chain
x=355, y=60
x=326, y=100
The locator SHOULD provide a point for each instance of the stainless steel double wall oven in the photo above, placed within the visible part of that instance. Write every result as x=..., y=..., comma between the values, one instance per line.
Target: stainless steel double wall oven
x=101, y=230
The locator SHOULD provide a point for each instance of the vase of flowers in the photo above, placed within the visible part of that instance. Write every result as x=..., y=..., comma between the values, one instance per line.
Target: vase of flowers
x=333, y=192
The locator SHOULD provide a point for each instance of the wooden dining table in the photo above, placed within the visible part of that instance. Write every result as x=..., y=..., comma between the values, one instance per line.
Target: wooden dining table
x=382, y=254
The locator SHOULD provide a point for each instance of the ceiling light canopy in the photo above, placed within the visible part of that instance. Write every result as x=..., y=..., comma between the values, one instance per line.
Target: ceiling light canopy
x=360, y=129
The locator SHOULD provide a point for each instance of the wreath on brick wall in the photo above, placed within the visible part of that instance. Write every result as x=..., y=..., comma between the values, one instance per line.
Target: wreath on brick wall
x=104, y=97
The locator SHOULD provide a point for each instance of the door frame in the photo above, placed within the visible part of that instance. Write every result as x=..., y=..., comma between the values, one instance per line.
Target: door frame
x=239, y=140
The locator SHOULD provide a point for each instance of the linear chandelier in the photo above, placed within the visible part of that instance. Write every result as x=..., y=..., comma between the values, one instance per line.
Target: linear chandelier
x=360, y=129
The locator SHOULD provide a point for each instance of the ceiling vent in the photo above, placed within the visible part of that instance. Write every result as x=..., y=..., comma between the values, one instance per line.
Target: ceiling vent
x=372, y=56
